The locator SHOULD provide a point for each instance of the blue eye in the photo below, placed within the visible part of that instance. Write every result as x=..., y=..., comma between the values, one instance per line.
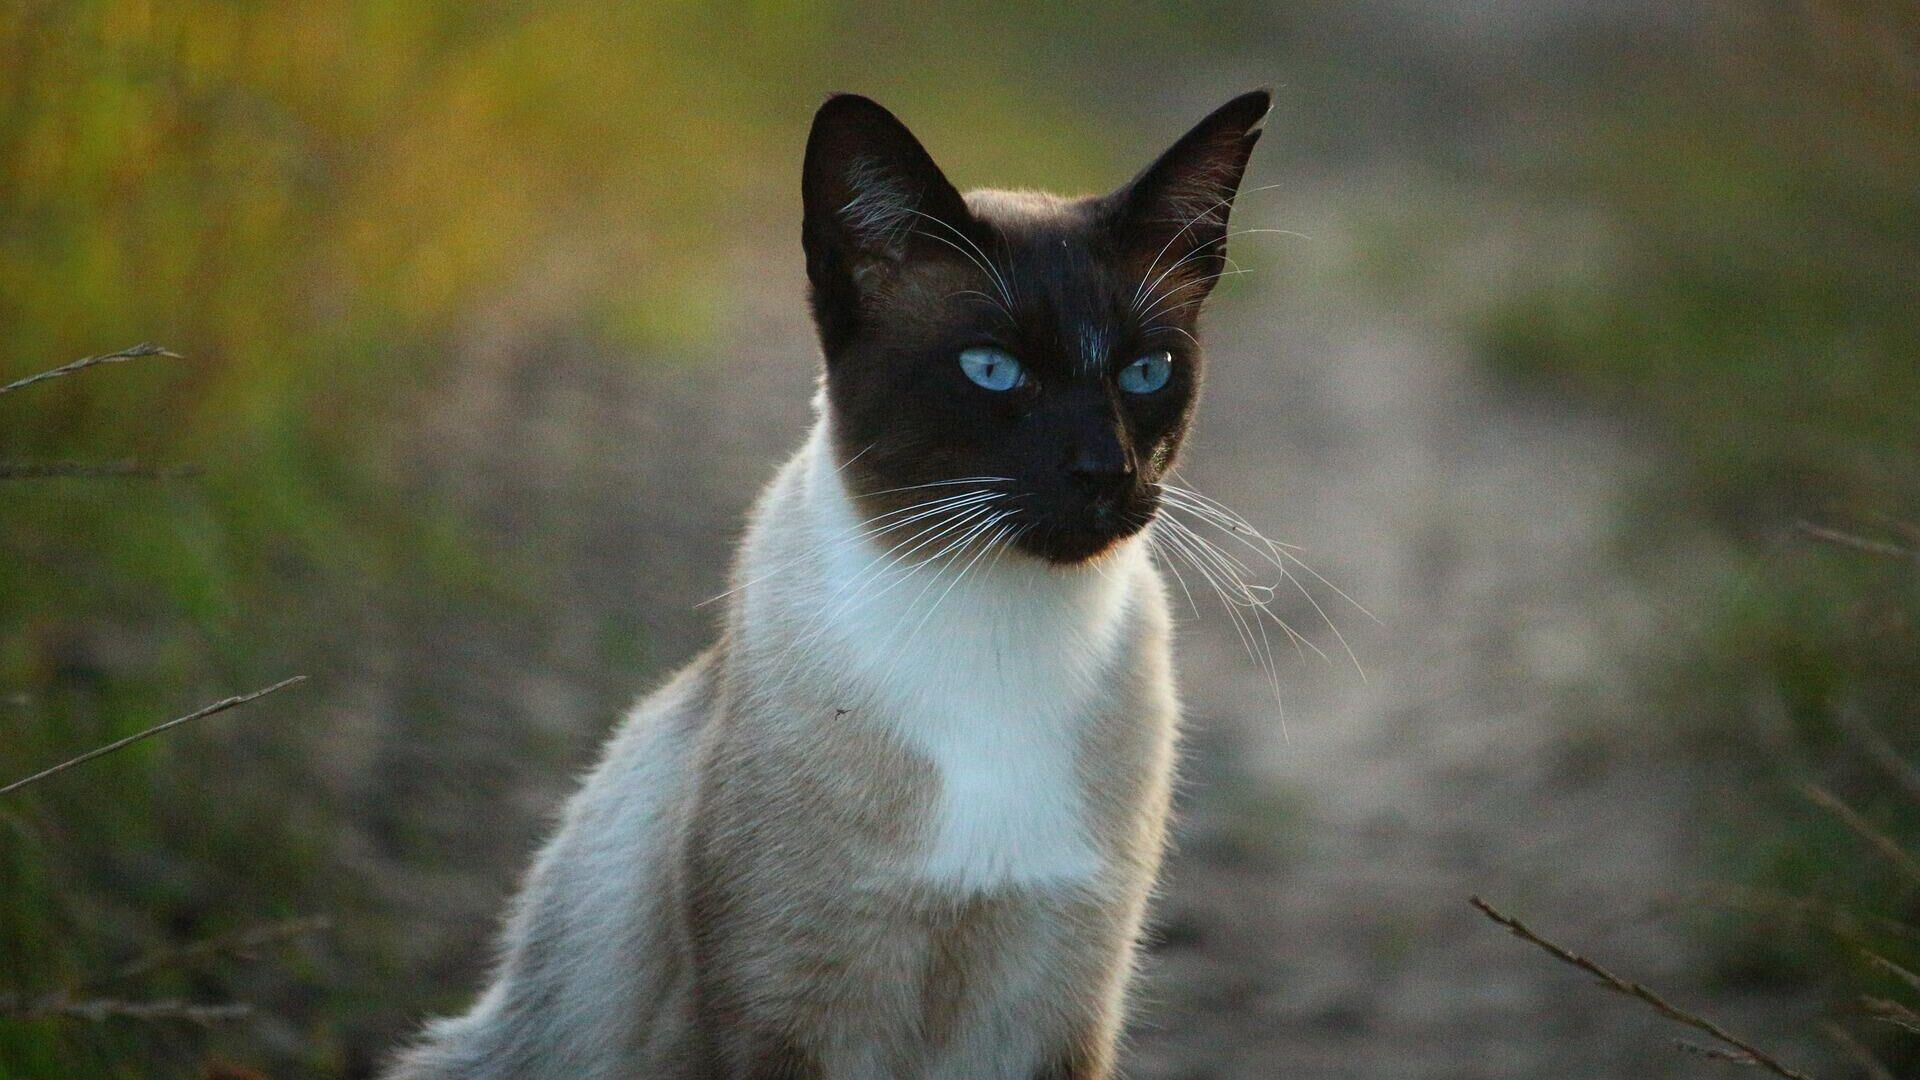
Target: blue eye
x=1147, y=374
x=994, y=369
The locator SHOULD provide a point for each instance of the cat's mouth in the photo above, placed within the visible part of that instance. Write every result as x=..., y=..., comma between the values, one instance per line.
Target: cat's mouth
x=1086, y=533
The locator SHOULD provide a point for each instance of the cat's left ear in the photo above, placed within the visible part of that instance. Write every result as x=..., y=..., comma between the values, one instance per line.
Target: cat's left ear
x=1172, y=218
x=872, y=195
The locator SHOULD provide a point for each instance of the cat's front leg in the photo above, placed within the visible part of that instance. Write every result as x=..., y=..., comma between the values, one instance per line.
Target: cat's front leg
x=1087, y=1055
x=778, y=1057
x=735, y=1049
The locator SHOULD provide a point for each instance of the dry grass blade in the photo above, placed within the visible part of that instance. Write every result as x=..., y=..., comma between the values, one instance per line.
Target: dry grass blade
x=1882, y=752
x=1912, y=980
x=242, y=943
x=133, y=353
x=1857, y=1052
x=1857, y=543
x=1715, y=1053
x=1891, y=1012
x=99, y=1010
x=88, y=470
x=1846, y=923
x=1608, y=979
x=216, y=707
x=1851, y=818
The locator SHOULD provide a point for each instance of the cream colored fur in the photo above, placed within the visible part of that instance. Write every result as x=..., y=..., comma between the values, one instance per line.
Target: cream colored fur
x=894, y=825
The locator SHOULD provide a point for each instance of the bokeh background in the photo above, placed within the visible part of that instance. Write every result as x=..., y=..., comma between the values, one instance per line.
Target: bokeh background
x=491, y=321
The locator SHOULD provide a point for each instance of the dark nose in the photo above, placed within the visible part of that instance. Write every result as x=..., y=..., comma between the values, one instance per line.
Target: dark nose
x=1100, y=461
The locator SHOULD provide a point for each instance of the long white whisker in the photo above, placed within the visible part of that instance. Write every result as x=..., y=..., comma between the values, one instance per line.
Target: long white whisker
x=1238, y=525
x=940, y=483
x=862, y=531
x=951, y=520
x=872, y=574
x=1220, y=517
x=1258, y=597
x=1207, y=250
x=1155, y=539
x=1161, y=307
x=961, y=545
x=1191, y=222
x=943, y=517
x=985, y=262
x=1180, y=540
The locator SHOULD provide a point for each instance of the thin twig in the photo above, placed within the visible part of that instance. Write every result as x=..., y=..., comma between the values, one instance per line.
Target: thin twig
x=1714, y=1053
x=1845, y=923
x=242, y=943
x=85, y=362
x=1857, y=543
x=98, y=1010
x=1876, y=747
x=216, y=707
x=1851, y=819
x=1634, y=990
x=1912, y=980
x=1858, y=1051
x=1891, y=1012
x=87, y=470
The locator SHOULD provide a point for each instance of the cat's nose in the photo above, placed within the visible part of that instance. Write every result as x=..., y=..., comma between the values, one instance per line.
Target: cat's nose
x=1100, y=463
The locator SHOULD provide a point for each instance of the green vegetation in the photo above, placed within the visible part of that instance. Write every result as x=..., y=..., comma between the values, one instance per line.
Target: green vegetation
x=322, y=206
x=1756, y=314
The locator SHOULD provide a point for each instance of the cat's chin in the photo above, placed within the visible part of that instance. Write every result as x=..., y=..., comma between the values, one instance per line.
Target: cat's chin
x=1070, y=547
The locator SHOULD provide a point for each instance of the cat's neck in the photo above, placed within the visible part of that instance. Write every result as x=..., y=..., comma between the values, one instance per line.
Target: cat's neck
x=989, y=665
x=815, y=572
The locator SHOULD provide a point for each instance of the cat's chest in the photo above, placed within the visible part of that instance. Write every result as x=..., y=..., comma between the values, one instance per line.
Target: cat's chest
x=997, y=689
x=1004, y=744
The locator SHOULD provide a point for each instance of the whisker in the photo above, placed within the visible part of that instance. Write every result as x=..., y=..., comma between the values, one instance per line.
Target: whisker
x=1140, y=291
x=1240, y=526
x=856, y=457
x=925, y=508
x=1160, y=309
x=1215, y=513
x=939, y=483
x=1212, y=249
x=961, y=545
x=1255, y=596
x=1180, y=541
x=943, y=526
x=872, y=573
x=1153, y=541
x=985, y=262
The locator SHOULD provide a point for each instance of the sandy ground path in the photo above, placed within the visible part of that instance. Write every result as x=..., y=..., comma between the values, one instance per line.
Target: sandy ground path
x=1314, y=919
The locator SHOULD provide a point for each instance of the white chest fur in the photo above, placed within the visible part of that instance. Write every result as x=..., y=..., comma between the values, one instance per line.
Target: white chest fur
x=987, y=668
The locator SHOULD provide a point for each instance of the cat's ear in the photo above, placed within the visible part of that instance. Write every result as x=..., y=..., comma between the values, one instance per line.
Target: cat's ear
x=1172, y=218
x=872, y=195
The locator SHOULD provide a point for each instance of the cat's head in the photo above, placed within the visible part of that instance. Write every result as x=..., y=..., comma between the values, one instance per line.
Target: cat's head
x=1038, y=347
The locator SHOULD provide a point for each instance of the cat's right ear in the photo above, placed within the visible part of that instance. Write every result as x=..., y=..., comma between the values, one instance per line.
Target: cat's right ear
x=872, y=195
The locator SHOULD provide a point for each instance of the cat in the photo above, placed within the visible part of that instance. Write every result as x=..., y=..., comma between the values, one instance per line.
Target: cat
x=904, y=817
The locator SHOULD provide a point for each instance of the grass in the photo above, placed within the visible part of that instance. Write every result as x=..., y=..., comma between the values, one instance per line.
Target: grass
x=327, y=209
x=1755, y=323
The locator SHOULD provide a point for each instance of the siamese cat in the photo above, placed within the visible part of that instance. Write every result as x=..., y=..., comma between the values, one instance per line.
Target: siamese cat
x=903, y=819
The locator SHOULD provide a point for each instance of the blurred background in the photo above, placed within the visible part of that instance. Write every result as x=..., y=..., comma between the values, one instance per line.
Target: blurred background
x=1586, y=362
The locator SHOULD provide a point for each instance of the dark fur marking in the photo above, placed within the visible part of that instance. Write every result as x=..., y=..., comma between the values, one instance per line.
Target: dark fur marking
x=782, y=1059
x=1076, y=289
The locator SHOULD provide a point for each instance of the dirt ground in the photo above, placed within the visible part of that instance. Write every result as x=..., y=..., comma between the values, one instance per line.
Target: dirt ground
x=1314, y=920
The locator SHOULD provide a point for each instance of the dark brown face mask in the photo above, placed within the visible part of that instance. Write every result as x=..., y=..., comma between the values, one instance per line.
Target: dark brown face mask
x=1046, y=348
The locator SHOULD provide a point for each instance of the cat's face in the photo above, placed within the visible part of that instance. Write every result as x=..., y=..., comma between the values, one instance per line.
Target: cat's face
x=1040, y=348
